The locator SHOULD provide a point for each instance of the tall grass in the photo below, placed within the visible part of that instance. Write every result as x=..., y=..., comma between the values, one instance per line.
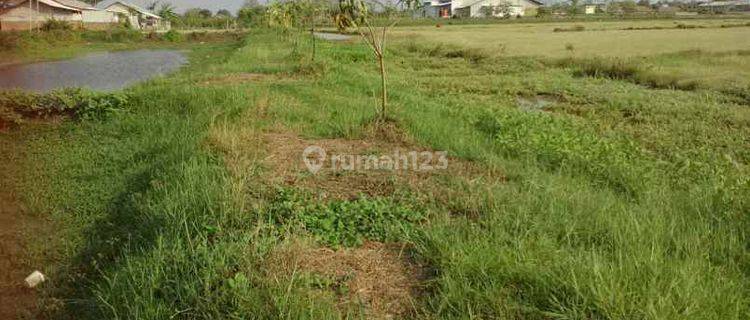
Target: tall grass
x=619, y=201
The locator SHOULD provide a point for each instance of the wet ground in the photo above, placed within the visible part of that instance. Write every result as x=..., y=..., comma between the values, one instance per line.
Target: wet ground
x=333, y=36
x=103, y=71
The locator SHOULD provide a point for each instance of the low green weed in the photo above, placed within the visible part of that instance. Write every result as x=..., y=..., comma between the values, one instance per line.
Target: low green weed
x=76, y=102
x=347, y=223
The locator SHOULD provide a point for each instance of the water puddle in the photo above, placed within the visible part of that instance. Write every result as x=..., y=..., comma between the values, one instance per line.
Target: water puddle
x=103, y=71
x=333, y=36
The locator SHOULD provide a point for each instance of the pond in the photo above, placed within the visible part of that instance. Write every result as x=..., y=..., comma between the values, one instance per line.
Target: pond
x=103, y=71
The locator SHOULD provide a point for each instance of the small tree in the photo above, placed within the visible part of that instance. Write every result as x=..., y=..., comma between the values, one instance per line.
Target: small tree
x=360, y=15
x=574, y=6
x=311, y=12
x=282, y=16
x=299, y=14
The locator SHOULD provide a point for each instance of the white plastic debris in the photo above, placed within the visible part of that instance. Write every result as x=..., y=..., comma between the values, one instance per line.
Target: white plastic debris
x=34, y=279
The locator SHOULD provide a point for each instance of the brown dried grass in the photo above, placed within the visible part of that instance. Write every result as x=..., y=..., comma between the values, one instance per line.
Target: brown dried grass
x=380, y=277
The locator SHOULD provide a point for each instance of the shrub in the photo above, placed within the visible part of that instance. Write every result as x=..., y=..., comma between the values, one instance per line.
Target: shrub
x=78, y=103
x=631, y=71
x=53, y=24
x=172, y=36
x=441, y=50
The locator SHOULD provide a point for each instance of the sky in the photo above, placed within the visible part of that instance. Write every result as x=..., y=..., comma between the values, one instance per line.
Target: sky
x=182, y=5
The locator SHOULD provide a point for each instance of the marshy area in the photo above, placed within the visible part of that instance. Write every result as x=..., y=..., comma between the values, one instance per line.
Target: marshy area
x=579, y=184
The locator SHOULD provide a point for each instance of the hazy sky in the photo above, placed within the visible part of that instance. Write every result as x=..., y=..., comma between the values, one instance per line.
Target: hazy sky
x=182, y=5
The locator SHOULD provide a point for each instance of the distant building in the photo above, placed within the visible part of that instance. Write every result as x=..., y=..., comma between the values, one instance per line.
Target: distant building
x=726, y=6
x=589, y=9
x=137, y=17
x=31, y=14
x=93, y=18
x=478, y=8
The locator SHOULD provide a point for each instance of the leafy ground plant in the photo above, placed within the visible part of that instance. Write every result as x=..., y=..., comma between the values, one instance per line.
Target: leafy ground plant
x=347, y=223
x=78, y=103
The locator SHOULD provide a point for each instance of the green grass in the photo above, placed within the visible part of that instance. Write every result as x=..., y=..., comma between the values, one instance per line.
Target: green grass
x=619, y=200
x=607, y=38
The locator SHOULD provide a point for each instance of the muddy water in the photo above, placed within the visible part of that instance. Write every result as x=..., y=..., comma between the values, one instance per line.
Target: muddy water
x=104, y=71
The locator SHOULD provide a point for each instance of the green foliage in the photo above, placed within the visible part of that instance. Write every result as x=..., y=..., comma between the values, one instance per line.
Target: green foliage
x=54, y=24
x=614, y=201
x=114, y=35
x=448, y=51
x=561, y=144
x=172, y=36
x=80, y=103
x=347, y=223
x=253, y=16
x=631, y=70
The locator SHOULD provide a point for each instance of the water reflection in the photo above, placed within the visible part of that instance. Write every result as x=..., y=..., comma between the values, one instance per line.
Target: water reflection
x=104, y=71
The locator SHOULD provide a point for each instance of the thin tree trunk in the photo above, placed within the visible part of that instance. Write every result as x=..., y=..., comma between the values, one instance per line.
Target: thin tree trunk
x=312, y=33
x=384, y=102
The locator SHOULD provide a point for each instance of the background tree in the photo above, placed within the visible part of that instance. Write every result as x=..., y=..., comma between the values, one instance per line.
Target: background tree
x=252, y=13
x=224, y=13
x=574, y=7
x=167, y=11
x=362, y=17
x=205, y=13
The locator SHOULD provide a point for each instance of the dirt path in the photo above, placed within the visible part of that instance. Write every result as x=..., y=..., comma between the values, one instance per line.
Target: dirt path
x=16, y=301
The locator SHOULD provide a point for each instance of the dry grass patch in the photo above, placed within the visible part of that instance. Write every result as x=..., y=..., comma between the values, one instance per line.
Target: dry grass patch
x=234, y=78
x=286, y=164
x=279, y=153
x=380, y=277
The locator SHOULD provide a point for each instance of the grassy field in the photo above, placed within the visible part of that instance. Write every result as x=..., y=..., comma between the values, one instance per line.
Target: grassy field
x=578, y=186
x=594, y=39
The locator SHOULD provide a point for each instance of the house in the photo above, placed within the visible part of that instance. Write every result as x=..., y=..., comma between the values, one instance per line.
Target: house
x=93, y=18
x=137, y=17
x=478, y=8
x=31, y=14
x=725, y=6
x=437, y=9
x=589, y=9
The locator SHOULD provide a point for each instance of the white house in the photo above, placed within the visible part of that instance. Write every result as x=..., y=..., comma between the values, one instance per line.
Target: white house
x=138, y=17
x=30, y=14
x=93, y=18
x=478, y=8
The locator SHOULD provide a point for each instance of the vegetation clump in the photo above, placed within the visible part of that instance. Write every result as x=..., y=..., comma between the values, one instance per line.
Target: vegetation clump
x=78, y=103
x=347, y=223
x=576, y=28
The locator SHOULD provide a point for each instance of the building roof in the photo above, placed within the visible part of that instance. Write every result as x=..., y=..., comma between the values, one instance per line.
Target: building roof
x=536, y=2
x=52, y=3
x=136, y=8
x=77, y=4
x=725, y=3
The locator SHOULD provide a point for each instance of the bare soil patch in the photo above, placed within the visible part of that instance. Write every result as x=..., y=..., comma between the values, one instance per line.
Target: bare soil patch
x=379, y=276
